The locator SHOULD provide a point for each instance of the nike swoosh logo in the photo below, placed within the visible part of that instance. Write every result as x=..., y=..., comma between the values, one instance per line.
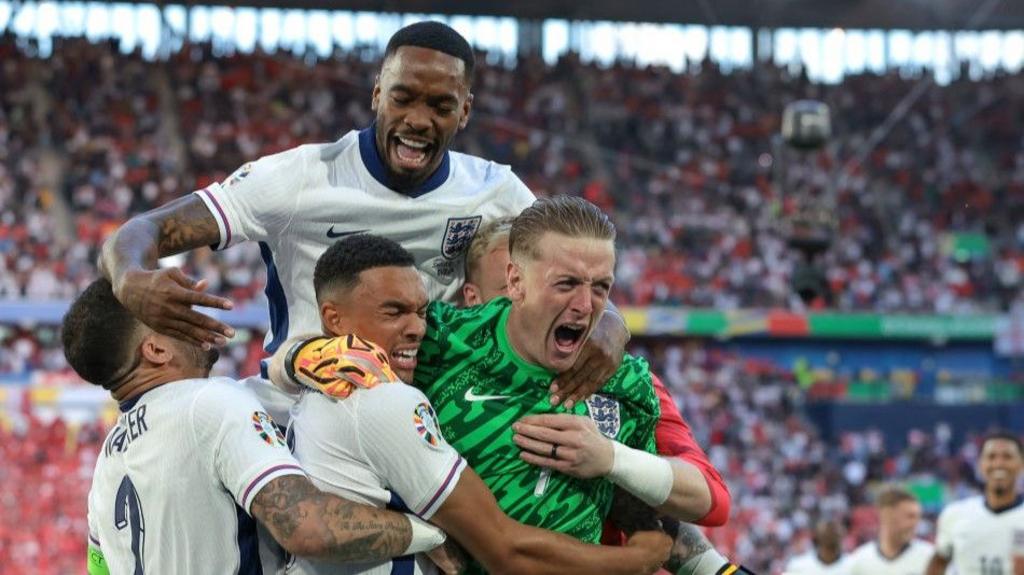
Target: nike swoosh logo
x=333, y=234
x=470, y=396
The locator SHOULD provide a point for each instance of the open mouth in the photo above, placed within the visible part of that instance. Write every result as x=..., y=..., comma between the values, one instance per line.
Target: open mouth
x=568, y=337
x=411, y=153
x=404, y=359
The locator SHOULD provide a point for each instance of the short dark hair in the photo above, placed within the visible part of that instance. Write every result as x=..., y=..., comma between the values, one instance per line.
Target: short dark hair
x=341, y=264
x=434, y=36
x=99, y=335
x=1006, y=435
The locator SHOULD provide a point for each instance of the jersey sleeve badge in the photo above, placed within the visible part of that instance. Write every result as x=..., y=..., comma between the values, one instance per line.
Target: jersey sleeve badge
x=266, y=429
x=425, y=420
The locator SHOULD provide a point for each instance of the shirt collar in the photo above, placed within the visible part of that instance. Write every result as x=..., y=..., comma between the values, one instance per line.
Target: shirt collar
x=375, y=165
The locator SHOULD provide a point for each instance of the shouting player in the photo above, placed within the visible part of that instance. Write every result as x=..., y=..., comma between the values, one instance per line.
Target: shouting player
x=193, y=460
x=396, y=178
x=896, y=551
x=984, y=535
x=377, y=441
x=487, y=261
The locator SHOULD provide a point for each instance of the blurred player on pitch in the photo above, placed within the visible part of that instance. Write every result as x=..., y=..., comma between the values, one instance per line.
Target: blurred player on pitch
x=395, y=178
x=193, y=461
x=487, y=263
x=826, y=558
x=984, y=535
x=896, y=551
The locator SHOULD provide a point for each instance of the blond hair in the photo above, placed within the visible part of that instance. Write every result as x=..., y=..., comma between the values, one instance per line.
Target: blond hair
x=483, y=242
x=567, y=215
x=893, y=495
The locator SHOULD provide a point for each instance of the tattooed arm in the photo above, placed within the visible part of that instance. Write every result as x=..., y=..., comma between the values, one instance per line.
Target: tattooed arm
x=163, y=298
x=311, y=523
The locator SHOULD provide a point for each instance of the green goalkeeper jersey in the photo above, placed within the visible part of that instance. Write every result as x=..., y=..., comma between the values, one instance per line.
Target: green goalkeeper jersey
x=479, y=387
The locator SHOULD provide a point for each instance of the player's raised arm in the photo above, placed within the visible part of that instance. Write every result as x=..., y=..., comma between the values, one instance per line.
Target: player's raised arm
x=311, y=523
x=163, y=298
x=472, y=516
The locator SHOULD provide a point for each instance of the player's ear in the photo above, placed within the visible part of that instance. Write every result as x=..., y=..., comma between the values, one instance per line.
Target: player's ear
x=467, y=107
x=375, y=94
x=331, y=319
x=156, y=349
x=471, y=294
x=515, y=282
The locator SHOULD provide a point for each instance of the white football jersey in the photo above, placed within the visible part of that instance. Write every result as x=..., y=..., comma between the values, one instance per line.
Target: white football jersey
x=912, y=560
x=978, y=540
x=299, y=202
x=382, y=447
x=177, y=475
x=809, y=564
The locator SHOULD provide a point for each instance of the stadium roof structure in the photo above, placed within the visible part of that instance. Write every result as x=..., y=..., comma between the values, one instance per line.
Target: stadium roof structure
x=886, y=14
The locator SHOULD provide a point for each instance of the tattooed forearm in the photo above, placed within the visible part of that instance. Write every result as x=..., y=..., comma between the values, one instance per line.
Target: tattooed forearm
x=689, y=542
x=306, y=521
x=185, y=224
x=177, y=226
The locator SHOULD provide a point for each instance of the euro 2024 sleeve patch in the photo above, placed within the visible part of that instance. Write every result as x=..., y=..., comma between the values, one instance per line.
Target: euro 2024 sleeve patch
x=268, y=431
x=425, y=420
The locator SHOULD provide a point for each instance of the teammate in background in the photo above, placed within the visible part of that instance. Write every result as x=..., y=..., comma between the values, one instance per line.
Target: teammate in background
x=984, y=535
x=896, y=551
x=377, y=440
x=826, y=558
x=487, y=263
x=396, y=178
x=193, y=460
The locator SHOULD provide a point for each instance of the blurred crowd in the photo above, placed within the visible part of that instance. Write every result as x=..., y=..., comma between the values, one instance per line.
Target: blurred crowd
x=782, y=475
x=923, y=217
x=44, y=482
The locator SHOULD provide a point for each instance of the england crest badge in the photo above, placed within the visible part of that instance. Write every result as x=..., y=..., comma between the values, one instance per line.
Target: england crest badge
x=458, y=234
x=604, y=411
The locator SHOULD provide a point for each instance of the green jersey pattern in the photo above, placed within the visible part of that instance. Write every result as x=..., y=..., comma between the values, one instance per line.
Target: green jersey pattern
x=479, y=387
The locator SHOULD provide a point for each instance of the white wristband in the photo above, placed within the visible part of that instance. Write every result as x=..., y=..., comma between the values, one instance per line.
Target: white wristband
x=424, y=536
x=643, y=474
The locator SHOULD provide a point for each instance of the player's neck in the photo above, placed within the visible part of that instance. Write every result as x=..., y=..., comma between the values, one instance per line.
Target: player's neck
x=145, y=380
x=1003, y=499
x=890, y=546
x=826, y=557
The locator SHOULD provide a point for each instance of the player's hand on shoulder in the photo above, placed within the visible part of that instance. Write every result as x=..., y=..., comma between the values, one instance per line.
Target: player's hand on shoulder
x=163, y=300
x=338, y=365
x=656, y=546
x=449, y=557
x=599, y=359
x=564, y=442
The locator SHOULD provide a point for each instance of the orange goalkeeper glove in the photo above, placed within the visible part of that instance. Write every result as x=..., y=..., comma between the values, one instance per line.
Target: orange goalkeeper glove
x=335, y=366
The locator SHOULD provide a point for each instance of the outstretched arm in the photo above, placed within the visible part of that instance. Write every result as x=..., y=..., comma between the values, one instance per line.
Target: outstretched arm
x=311, y=523
x=471, y=516
x=163, y=298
